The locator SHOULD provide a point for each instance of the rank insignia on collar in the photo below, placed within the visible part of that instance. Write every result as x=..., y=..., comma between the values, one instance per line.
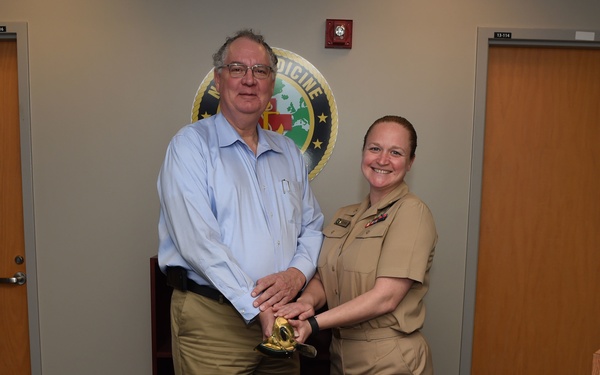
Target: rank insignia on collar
x=379, y=218
x=342, y=222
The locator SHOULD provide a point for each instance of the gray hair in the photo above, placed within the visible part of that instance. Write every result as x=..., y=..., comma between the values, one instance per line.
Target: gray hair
x=221, y=55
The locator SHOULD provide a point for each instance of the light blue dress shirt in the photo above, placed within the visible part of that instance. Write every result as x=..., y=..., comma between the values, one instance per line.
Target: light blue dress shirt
x=231, y=217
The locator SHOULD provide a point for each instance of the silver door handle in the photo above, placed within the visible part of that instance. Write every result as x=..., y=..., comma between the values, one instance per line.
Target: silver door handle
x=20, y=278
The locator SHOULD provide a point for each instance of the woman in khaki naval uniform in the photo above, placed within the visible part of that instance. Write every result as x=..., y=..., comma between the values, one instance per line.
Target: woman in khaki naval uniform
x=374, y=267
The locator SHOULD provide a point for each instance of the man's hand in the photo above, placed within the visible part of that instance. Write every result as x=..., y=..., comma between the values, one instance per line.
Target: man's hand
x=266, y=319
x=278, y=289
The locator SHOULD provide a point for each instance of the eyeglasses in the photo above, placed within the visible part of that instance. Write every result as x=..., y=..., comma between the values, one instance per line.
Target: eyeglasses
x=237, y=70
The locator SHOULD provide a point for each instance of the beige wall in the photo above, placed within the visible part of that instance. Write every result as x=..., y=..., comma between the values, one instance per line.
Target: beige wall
x=111, y=81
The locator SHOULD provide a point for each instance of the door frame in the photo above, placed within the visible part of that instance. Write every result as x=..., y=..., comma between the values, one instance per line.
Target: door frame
x=18, y=31
x=486, y=37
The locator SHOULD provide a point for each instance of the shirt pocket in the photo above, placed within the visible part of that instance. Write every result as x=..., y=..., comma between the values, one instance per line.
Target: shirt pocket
x=292, y=201
x=332, y=237
x=335, y=231
x=362, y=255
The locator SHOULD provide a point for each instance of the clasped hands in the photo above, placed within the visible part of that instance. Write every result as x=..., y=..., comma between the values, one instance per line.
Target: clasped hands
x=273, y=292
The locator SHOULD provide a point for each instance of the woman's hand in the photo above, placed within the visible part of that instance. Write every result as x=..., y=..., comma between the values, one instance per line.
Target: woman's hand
x=302, y=329
x=299, y=309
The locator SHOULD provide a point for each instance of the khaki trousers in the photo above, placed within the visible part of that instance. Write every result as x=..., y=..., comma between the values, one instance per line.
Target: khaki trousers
x=212, y=338
x=381, y=351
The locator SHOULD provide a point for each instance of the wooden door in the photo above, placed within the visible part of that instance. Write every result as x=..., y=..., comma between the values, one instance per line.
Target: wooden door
x=14, y=340
x=538, y=278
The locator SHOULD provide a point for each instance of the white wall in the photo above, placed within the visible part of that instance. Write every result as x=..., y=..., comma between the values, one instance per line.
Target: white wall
x=113, y=80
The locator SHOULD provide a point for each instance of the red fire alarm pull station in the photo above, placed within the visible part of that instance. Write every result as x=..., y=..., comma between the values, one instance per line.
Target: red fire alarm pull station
x=338, y=34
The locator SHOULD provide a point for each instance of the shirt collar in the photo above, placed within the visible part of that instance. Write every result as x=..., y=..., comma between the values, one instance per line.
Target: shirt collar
x=392, y=197
x=227, y=136
x=395, y=195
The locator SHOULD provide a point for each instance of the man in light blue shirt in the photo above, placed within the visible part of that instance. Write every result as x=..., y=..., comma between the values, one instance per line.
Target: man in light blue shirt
x=239, y=228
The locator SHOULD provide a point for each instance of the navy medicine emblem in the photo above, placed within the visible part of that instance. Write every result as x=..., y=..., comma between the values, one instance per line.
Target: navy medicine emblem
x=302, y=108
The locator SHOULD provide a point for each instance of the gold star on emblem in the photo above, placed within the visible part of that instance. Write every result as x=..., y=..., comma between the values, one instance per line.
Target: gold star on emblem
x=317, y=143
x=206, y=115
x=322, y=118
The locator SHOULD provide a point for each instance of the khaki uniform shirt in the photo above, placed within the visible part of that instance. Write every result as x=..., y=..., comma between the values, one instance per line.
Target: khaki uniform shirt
x=395, y=238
